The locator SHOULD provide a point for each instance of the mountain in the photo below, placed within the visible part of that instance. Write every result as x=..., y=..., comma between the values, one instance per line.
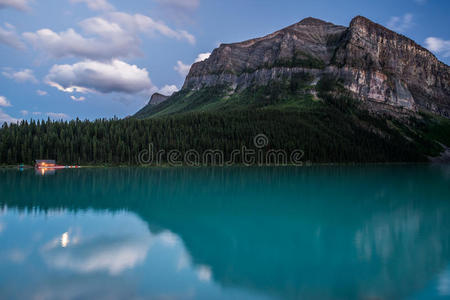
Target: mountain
x=361, y=93
x=385, y=71
x=155, y=99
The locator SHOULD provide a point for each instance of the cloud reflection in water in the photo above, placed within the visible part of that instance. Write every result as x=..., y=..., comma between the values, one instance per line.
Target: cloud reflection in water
x=112, y=254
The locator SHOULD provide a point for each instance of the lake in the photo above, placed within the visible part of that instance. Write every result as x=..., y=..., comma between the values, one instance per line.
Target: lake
x=321, y=232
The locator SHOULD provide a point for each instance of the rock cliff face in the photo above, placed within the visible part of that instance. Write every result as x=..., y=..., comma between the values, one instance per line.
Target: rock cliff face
x=378, y=66
x=157, y=98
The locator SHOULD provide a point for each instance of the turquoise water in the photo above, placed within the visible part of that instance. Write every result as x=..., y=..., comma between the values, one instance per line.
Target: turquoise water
x=353, y=232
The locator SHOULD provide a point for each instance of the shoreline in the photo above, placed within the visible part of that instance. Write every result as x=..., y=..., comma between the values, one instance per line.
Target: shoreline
x=432, y=162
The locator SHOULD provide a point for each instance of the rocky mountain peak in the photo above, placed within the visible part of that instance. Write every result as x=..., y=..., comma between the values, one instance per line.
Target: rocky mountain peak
x=385, y=67
x=361, y=21
x=385, y=70
x=310, y=21
x=157, y=98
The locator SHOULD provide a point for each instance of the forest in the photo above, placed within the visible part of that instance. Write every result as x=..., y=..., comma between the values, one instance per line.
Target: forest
x=326, y=135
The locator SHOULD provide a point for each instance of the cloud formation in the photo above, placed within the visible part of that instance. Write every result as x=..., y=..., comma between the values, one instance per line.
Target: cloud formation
x=4, y=102
x=103, y=253
x=116, y=35
x=9, y=37
x=401, y=24
x=5, y=118
x=69, y=43
x=58, y=116
x=102, y=77
x=77, y=99
x=183, y=69
x=438, y=45
x=168, y=90
x=101, y=5
x=51, y=115
x=20, y=76
x=145, y=24
x=179, y=10
x=202, y=56
x=15, y=4
x=41, y=92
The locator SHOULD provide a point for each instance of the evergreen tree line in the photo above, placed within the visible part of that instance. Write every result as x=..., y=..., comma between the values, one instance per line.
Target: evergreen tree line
x=326, y=135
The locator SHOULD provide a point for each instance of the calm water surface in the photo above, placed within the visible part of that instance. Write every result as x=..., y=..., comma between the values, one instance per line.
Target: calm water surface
x=361, y=232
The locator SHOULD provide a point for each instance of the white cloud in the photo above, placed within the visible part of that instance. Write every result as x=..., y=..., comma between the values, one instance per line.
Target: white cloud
x=4, y=102
x=202, y=57
x=57, y=116
x=71, y=89
x=116, y=35
x=401, y=24
x=8, y=36
x=101, y=5
x=145, y=24
x=16, y=4
x=41, y=93
x=102, y=28
x=4, y=117
x=168, y=90
x=52, y=115
x=20, y=76
x=69, y=43
x=103, y=77
x=438, y=45
x=78, y=99
x=179, y=10
x=183, y=69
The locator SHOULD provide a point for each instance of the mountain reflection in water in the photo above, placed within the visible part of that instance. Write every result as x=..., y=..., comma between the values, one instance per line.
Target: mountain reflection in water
x=289, y=233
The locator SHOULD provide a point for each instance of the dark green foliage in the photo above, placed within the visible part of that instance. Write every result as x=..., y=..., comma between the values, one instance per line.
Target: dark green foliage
x=283, y=91
x=435, y=128
x=183, y=101
x=333, y=92
x=329, y=84
x=326, y=135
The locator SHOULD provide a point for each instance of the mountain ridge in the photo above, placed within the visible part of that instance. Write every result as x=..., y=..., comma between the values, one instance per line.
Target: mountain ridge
x=389, y=69
x=366, y=75
x=157, y=98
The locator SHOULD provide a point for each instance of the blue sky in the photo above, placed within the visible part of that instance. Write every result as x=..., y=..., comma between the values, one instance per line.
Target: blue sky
x=99, y=58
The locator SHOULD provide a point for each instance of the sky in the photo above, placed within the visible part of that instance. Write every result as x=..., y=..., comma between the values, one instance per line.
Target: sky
x=63, y=59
